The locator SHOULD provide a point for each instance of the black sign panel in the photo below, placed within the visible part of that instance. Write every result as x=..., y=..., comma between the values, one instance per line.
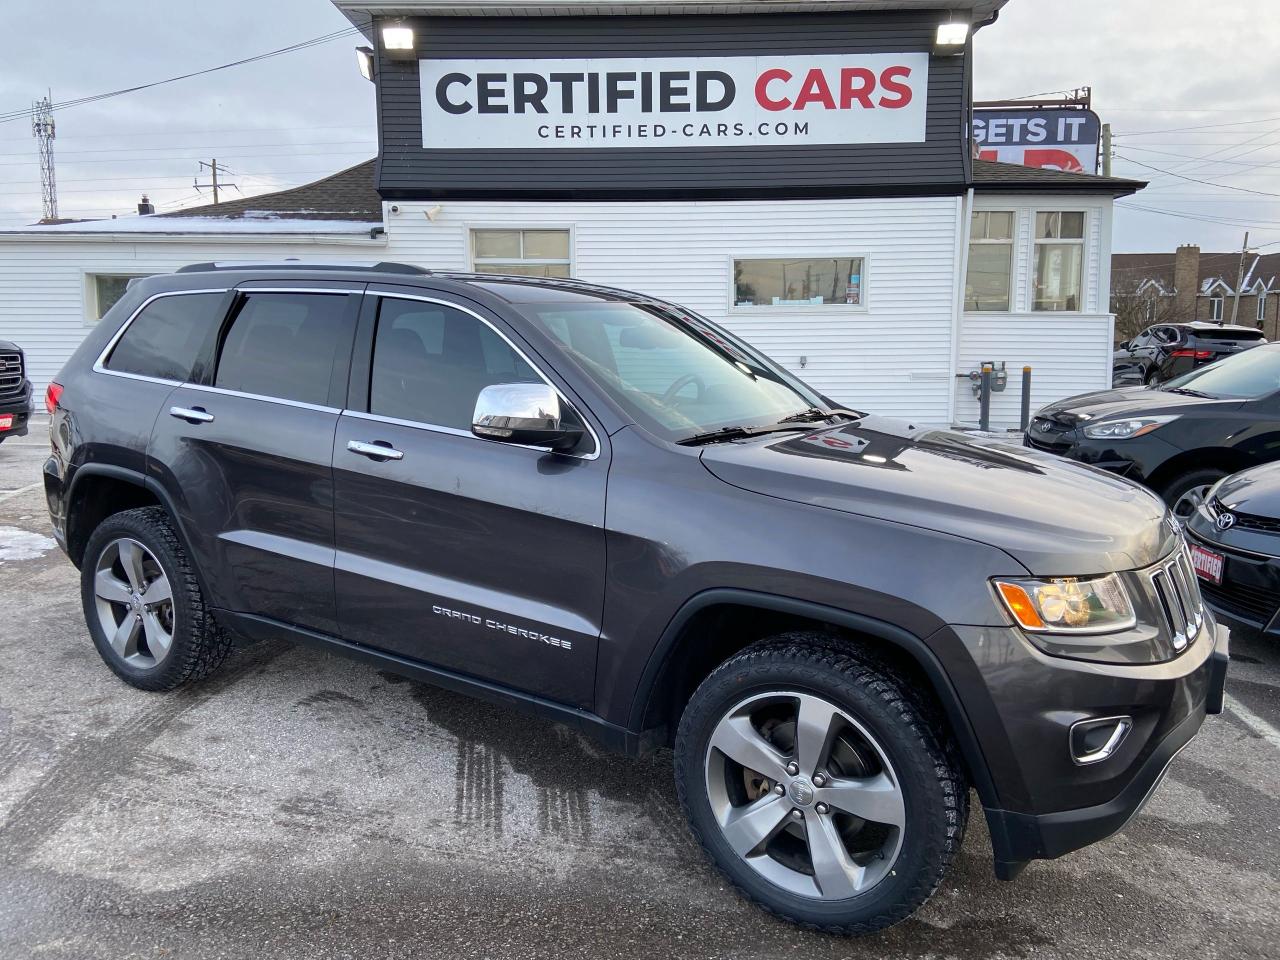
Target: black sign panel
x=612, y=107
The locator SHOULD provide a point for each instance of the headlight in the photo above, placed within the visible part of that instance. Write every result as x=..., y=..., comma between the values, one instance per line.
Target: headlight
x=1125, y=429
x=1068, y=604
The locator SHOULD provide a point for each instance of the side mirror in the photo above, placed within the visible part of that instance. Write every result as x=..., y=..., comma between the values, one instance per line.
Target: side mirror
x=1124, y=345
x=527, y=414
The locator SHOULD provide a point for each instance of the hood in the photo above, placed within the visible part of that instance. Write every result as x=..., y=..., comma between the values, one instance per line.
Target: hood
x=1055, y=517
x=9, y=345
x=1126, y=402
x=1255, y=492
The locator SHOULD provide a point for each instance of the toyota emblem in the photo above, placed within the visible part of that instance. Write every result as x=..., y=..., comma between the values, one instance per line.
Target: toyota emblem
x=1226, y=521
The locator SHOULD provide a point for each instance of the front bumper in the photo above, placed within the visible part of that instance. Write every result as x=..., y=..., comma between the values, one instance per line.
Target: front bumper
x=19, y=407
x=1136, y=458
x=1249, y=595
x=1048, y=804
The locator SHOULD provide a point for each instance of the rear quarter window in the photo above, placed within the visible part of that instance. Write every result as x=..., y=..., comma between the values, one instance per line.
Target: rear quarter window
x=166, y=338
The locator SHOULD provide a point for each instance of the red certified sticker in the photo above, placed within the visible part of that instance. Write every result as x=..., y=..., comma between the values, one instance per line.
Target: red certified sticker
x=1207, y=563
x=6, y=421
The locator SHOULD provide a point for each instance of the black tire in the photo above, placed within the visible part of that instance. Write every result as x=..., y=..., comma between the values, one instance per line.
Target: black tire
x=1152, y=377
x=935, y=793
x=199, y=644
x=1175, y=489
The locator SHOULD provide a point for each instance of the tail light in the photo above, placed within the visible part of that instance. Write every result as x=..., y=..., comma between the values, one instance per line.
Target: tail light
x=52, y=394
x=1195, y=354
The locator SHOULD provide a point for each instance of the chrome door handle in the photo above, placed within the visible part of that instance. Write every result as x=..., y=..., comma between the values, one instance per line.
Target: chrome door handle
x=378, y=451
x=191, y=414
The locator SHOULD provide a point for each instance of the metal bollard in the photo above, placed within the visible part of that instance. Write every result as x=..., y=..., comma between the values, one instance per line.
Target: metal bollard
x=1026, y=398
x=984, y=399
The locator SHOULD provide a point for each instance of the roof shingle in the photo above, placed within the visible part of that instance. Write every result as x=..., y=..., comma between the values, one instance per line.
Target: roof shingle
x=346, y=195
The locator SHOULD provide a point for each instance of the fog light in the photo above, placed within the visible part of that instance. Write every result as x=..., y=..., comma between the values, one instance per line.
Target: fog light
x=1092, y=741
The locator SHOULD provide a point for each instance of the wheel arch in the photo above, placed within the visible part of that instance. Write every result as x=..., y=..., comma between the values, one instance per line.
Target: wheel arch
x=680, y=660
x=1204, y=458
x=99, y=490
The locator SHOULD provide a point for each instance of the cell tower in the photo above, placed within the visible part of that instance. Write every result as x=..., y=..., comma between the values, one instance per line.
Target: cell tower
x=43, y=130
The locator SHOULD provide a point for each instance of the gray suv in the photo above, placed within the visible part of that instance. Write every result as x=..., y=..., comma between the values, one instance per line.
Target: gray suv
x=599, y=507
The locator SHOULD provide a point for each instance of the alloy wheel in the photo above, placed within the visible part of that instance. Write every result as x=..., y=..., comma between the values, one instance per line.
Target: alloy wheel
x=1190, y=501
x=134, y=602
x=805, y=795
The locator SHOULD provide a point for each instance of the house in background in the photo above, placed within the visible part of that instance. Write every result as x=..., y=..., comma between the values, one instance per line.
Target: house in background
x=1149, y=288
x=871, y=254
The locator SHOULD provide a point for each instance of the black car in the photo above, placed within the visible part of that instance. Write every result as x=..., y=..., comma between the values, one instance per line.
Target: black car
x=15, y=391
x=1179, y=438
x=1235, y=548
x=1168, y=350
x=601, y=507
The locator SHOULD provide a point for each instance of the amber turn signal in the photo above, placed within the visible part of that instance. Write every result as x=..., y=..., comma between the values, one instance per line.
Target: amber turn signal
x=1020, y=605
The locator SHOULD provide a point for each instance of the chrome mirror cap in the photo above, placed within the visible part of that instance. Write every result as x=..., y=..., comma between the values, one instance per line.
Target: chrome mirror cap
x=523, y=413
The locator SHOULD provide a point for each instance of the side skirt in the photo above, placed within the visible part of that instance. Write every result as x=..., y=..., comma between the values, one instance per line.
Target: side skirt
x=611, y=736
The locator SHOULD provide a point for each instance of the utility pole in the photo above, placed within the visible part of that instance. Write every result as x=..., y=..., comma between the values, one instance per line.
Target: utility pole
x=1106, y=149
x=214, y=170
x=42, y=128
x=1235, y=304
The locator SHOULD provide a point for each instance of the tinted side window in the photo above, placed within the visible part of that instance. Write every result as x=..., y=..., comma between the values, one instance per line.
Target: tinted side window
x=165, y=339
x=284, y=345
x=430, y=362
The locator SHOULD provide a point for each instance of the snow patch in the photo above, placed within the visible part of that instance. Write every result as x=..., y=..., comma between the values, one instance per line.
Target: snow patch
x=16, y=544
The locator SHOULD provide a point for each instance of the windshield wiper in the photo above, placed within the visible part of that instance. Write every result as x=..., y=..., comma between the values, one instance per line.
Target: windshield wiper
x=1187, y=391
x=807, y=416
x=813, y=414
x=734, y=433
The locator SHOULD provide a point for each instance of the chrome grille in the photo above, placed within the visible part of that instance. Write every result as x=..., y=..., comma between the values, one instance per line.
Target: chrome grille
x=11, y=373
x=1174, y=584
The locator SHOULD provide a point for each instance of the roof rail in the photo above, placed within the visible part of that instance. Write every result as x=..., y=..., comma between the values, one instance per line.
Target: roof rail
x=292, y=264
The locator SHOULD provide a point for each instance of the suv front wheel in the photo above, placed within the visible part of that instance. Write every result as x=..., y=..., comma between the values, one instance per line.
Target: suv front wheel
x=818, y=784
x=143, y=604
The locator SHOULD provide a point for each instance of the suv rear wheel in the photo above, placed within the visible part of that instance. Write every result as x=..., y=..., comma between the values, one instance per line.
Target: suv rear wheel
x=817, y=786
x=143, y=604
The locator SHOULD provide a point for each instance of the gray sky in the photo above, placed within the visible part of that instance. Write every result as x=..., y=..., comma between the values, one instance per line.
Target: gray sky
x=1154, y=65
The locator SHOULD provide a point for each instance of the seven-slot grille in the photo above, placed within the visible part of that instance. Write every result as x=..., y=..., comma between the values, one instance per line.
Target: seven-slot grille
x=11, y=374
x=1174, y=584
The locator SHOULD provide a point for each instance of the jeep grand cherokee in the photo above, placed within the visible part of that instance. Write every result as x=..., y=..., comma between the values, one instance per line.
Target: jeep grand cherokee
x=600, y=507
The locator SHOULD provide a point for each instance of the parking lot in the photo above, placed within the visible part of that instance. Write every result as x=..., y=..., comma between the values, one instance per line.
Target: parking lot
x=298, y=805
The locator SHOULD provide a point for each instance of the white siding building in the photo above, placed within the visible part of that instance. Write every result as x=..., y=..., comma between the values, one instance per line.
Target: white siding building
x=902, y=349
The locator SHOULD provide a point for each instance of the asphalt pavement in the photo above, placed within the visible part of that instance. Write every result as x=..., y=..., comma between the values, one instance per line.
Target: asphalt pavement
x=297, y=805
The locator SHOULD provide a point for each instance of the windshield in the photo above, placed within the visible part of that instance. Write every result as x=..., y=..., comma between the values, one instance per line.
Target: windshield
x=674, y=373
x=1242, y=376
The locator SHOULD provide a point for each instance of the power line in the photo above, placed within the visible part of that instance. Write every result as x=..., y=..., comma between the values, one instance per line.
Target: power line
x=119, y=134
x=1238, y=222
x=1208, y=183
x=221, y=146
x=1188, y=156
x=292, y=48
x=1205, y=126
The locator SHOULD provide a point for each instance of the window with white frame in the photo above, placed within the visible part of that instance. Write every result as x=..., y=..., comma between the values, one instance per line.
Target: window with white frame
x=1215, y=307
x=104, y=289
x=987, y=284
x=530, y=253
x=1059, y=261
x=799, y=282
x=1262, y=306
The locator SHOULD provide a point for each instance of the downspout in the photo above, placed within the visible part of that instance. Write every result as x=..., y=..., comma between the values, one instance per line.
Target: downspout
x=963, y=226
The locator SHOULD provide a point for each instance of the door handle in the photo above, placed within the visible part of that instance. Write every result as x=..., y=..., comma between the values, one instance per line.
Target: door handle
x=377, y=450
x=191, y=414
